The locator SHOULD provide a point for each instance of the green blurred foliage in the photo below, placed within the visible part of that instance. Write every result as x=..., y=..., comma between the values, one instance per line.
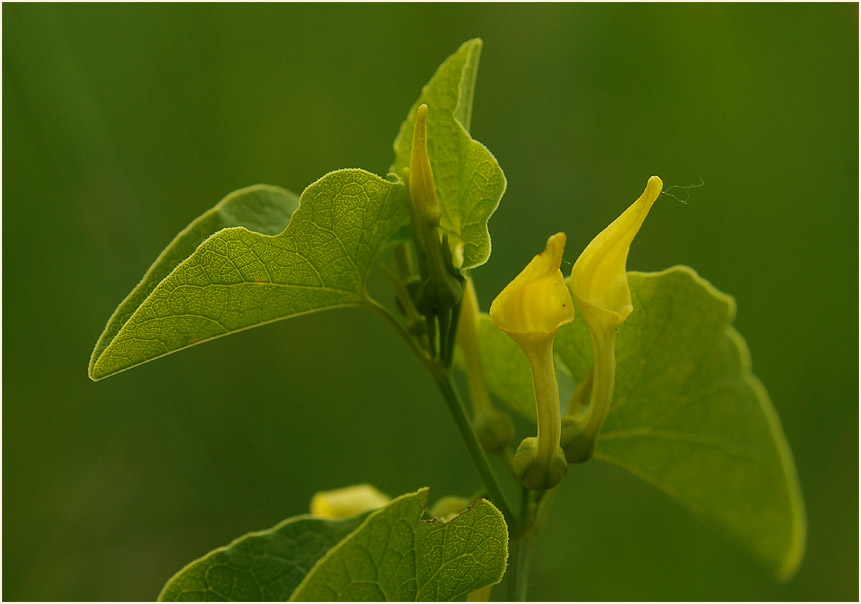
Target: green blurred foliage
x=121, y=123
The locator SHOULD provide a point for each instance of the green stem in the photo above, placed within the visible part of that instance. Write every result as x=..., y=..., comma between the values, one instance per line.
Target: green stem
x=482, y=464
x=522, y=542
x=442, y=378
x=452, y=337
x=522, y=554
x=403, y=296
x=444, y=327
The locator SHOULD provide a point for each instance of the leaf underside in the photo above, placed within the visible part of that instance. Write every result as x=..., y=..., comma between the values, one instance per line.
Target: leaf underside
x=390, y=554
x=239, y=278
x=688, y=416
x=469, y=182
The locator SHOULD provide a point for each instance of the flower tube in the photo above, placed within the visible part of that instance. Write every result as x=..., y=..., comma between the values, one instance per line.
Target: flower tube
x=531, y=309
x=600, y=285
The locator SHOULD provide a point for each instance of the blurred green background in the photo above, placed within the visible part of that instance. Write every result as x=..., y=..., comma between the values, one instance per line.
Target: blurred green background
x=121, y=123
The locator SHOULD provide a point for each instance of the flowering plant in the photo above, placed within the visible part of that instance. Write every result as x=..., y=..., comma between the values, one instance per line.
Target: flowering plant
x=663, y=386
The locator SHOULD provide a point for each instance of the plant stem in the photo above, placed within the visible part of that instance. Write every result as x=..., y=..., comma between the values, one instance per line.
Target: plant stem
x=521, y=546
x=442, y=377
x=533, y=511
x=520, y=575
x=522, y=529
x=479, y=458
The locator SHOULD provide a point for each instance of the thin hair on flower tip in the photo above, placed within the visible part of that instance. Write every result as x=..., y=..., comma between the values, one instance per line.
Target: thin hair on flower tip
x=686, y=188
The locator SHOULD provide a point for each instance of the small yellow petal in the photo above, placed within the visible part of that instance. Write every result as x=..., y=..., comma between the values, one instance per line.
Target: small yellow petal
x=537, y=302
x=347, y=502
x=599, y=278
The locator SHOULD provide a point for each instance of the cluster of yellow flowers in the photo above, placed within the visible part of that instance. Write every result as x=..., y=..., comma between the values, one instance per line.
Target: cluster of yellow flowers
x=530, y=309
x=533, y=307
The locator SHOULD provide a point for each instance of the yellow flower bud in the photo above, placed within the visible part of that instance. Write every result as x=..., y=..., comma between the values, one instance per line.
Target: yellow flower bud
x=422, y=190
x=347, y=502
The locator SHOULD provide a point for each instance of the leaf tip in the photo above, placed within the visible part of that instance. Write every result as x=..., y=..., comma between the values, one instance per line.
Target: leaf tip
x=790, y=565
x=93, y=371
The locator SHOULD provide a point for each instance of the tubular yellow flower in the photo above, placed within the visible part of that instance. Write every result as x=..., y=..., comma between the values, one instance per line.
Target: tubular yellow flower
x=600, y=284
x=531, y=309
x=347, y=502
x=599, y=279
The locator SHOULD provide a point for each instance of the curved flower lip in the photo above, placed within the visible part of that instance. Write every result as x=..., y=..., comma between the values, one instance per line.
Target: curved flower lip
x=599, y=278
x=537, y=302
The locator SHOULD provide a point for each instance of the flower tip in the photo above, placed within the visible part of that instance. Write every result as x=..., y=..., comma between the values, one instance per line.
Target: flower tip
x=420, y=128
x=645, y=201
x=555, y=247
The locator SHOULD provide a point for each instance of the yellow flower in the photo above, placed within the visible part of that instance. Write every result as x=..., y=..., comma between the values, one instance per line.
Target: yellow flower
x=599, y=278
x=347, y=502
x=600, y=284
x=537, y=303
x=531, y=309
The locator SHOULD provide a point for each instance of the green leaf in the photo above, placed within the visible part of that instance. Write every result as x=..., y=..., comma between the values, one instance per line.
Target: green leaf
x=388, y=554
x=239, y=278
x=395, y=555
x=260, y=567
x=469, y=182
x=688, y=416
x=260, y=208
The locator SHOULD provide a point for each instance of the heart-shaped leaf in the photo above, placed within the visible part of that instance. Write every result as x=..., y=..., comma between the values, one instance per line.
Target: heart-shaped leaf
x=239, y=278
